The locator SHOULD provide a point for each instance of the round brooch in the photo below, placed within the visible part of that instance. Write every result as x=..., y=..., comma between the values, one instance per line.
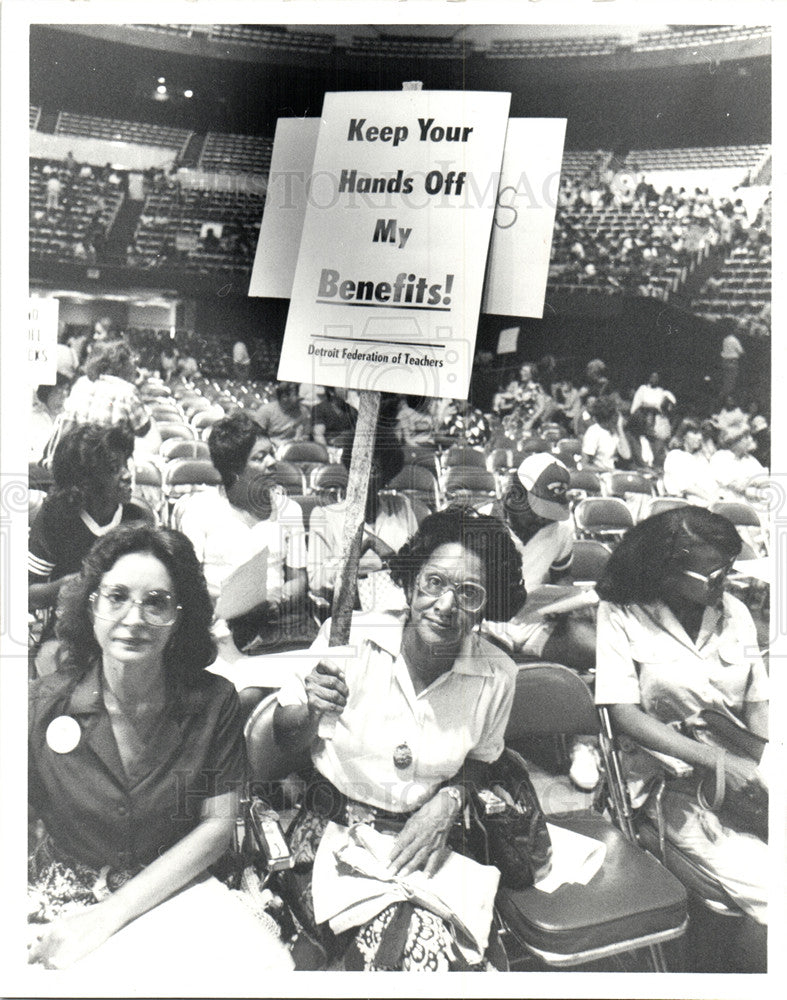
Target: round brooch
x=402, y=757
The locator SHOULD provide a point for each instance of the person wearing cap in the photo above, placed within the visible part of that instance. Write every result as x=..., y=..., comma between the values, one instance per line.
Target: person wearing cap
x=536, y=511
x=734, y=465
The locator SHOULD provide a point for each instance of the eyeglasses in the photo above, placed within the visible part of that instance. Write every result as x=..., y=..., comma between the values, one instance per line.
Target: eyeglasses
x=469, y=596
x=716, y=576
x=157, y=607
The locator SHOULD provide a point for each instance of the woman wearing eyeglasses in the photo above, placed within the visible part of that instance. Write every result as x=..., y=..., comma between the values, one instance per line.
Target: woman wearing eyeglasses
x=422, y=698
x=136, y=760
x=670, y=644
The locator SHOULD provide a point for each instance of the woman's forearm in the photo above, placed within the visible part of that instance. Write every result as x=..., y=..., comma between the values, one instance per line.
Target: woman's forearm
x=656, y=735
x=174, y=869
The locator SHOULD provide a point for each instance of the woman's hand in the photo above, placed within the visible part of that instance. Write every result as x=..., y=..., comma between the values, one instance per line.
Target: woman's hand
x=741, y=775
x=421, y=841
x=326, y=690
x=70, y=938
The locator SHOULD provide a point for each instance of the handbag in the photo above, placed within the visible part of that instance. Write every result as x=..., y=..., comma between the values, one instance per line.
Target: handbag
x=746, y=809
x=514, y=838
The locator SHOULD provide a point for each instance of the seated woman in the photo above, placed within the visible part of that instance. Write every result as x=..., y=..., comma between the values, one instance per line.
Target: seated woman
x=246, y=515
x=136, y=759
x=91, y=495
x=687, y=471
x=671, y=643
x=389, y=522
x=390, y=729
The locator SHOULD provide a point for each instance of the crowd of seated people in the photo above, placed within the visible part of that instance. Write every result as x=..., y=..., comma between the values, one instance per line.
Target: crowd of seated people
x=258, y=509
x=614, y=232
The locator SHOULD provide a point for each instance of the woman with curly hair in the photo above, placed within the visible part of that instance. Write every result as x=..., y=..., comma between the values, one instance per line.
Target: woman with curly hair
x=423, y=699
x=136, y=760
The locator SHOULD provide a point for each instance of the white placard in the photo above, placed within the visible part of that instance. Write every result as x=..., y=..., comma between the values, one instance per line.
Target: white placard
x=294, y=145
x=508, y=340
x=518, y=264
x=388, y=284
x=42, y=340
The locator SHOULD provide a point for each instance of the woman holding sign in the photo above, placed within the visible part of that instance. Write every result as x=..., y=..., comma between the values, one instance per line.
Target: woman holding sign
x=423, y=698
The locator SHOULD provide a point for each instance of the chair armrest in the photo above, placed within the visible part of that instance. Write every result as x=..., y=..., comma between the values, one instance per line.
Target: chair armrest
x=673, y=766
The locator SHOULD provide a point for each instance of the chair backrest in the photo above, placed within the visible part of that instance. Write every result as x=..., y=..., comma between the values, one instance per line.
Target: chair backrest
x=470, y=458
x=166, y=411
x=154, y=390
x=738, y=512
x=602, y=514
x=147, y=474
x=191, y=472
x=288, y=476
x=585, y=480
x=170, y=429
x=568, y=450
x=414, y=477
x=180, y=448
x=329, y=477
x=589, y=557
x=206, y=418
x=474, y=480
x=659, y=504
x=305, y=451
x=267, y=760
x=498, y=460
x=618, y=484
x=551, y=699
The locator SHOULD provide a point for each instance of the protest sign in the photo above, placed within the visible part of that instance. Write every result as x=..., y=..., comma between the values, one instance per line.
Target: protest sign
x=518, y=264
x=42, y=340
x=388, y=284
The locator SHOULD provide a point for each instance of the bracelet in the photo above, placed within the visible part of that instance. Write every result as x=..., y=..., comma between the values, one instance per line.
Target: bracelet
x=456, y=794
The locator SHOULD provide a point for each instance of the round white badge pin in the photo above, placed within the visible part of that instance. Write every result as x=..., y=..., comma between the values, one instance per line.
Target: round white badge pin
x=63, y=734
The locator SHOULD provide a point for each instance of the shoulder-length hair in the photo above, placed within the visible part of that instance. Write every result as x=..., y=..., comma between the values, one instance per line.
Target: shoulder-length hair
x=652, y=551
x=230, y=442
x=85, y=456
x=191, y=647
x=485, y=536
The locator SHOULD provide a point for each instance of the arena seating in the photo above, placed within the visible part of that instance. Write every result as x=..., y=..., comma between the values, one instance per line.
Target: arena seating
x=35, y=114
x=651, y=41
x=57, y=235
x=171, y=223
x=271, y=37
x=432, y=48
x=553, y=48
x=119, y=130
x=698, y=158
x=229, y=153
x=742, y=286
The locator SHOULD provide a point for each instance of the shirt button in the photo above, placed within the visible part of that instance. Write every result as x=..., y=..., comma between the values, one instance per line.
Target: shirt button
x=122, y=811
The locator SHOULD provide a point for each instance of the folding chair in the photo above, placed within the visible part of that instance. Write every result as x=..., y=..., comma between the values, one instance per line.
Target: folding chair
x=329, y=481
x=588, y=559
x=632, y=902
x=169, y=429
x=305, y=452
x=187, y=475
x=704, y=890
x=618, y=484
x=659, y=504
x=583, y=483
x=745, y=517
x=470, y=486
x=604, y=518
x=148, y=489
x=202, y=421
x=289, y=477
x=417, y=483
x=469, y=458
x=179, y=448
x=569, y=451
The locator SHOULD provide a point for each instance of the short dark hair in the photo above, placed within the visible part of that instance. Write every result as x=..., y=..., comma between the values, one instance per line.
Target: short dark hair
x=651, y=552
x=230, y=443
x=485, y=536
x=686, y=426
x=603, y=409
x=86, y=454
x=113, y=357
x=191, y=647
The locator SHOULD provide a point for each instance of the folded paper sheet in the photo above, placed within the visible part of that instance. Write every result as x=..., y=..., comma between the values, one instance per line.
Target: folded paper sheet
x=351, y=885
x=575, y=858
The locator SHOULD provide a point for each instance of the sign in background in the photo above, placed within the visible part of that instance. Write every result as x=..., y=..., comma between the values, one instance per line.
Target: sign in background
x=42, y=340
x=388, y=284
x=518, y=265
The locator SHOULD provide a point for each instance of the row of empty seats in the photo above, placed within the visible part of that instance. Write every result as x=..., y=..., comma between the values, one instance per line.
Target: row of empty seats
x=121, y=130
x=34, y=117
x=650, y=41
x=271, y=37
x=554, y=48
x=434, y=48
x=698, y=157
x=229, y=153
